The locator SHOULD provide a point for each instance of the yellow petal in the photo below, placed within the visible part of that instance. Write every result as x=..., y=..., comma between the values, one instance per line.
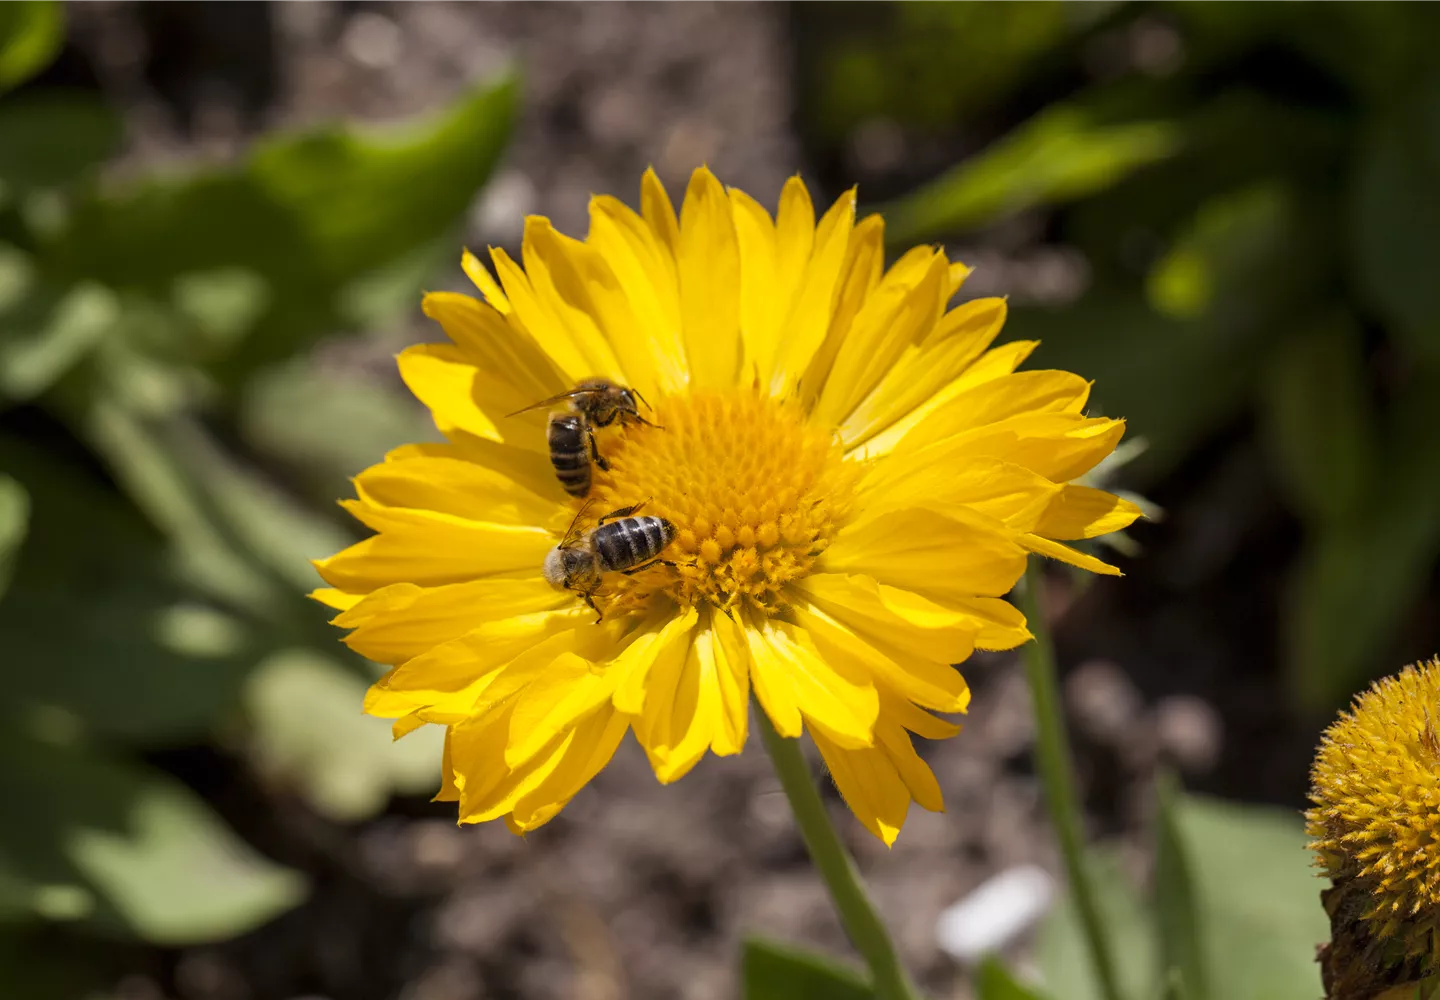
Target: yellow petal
x=455, y=673
x=478, y=273
x=942, y=555
x=431, y=549
x=869, y=783
x=792, y=679
x=402, y=620
x=554, y=701
x=765, y=290
x=698, y=701
x=931, y=683
x=1058, y=446
x=337, y=599
x=515, y=371
x=645, y=270
x=709, y=269
x=525, y=466
x=452, y=486
x=860, y=275
x=897, y=314
x=998, y=361
x=449, y=790
x=1082, y=512
x=892, y=618
x=999, y=624
x=998, y=399
x=666, y=635
x=809, y=317
x=659, y=213
x=585, y=755
x=444, y=381
x=926, y=376
x=534, y=307
x=1064, y=553
x=585, y=294
x=1002, y=490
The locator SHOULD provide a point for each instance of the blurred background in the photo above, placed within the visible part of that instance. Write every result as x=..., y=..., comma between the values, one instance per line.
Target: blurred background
x=215, y=223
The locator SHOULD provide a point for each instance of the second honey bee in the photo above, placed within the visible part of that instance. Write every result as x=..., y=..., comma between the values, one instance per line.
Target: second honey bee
x=620, y=542
x=570, y=433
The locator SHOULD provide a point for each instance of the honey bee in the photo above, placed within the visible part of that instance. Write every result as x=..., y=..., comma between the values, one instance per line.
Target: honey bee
x=594, y=402
x=619, y=543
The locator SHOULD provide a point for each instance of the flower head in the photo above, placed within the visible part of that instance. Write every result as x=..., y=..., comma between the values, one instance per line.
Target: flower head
x=1376, y=789
x=853, y=478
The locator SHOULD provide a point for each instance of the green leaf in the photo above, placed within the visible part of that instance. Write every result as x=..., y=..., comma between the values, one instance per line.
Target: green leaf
x=52, y=137
x=1065, y=153
x=308, y=732
x=49, y=332
x=994, y=982
x=30, y=35
x=1396, y=217
x=130, y=851
x=14, y=521
x=305, y=218
x=1259, y=898
x=1064, y=956
x=1319, y=420
x=99, y=629
x=1183, y=956
x=773, y=971
x=323, y=426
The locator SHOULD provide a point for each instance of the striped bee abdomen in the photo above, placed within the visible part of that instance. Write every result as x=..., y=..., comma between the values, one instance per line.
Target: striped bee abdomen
x=566, y=437
x=630, y=541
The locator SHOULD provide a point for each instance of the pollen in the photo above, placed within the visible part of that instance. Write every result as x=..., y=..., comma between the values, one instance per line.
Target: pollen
x=755, y=491
x=1376, y=789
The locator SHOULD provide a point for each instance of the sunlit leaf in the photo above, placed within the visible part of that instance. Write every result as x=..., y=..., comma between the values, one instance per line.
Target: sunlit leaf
x=1183, y=956
x=304, y=218
x=14, y=520
x=307, y=733
x=1064, y=956
x=1062, y=154
x=1258, y=896
x=994, y=982
x=773, y=971
x=97, y=627
x=131, y=850
x=48, y=332
x=30, y=34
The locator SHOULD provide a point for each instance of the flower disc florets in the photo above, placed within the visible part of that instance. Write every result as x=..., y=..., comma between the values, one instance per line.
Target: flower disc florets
x=1376, y=788
x=754, y=491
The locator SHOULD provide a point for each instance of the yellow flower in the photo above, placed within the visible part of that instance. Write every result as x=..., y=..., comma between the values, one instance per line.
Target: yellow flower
x=855, y=478
x=1376, y=789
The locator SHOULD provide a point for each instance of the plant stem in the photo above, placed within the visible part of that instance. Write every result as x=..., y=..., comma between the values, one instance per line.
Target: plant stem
x=862, y=923
x=1052, y=752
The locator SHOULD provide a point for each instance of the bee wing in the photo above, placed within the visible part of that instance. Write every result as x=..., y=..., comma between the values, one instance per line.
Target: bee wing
x=572, y=533
x=551, y=401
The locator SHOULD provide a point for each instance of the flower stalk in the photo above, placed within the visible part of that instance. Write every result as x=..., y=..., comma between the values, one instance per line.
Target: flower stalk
x=1057, y=777
x=857, y=913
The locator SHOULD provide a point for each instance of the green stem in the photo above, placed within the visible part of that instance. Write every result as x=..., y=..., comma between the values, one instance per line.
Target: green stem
x=1058, y=780
x=864, y=926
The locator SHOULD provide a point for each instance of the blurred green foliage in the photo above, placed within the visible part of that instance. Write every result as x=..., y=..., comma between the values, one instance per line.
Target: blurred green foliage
x=156, y=372
x=1252, y=189
x=1233, y=912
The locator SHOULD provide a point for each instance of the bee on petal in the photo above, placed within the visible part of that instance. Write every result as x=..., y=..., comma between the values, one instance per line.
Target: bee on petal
x=620, y=542
x=594, y=402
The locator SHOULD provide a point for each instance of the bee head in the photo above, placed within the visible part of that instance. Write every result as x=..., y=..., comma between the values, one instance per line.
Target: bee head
x=554, y=568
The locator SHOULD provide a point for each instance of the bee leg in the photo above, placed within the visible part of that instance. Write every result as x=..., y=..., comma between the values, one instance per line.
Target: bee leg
x=622, y=512
x=600, y=459
x=590, y=600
